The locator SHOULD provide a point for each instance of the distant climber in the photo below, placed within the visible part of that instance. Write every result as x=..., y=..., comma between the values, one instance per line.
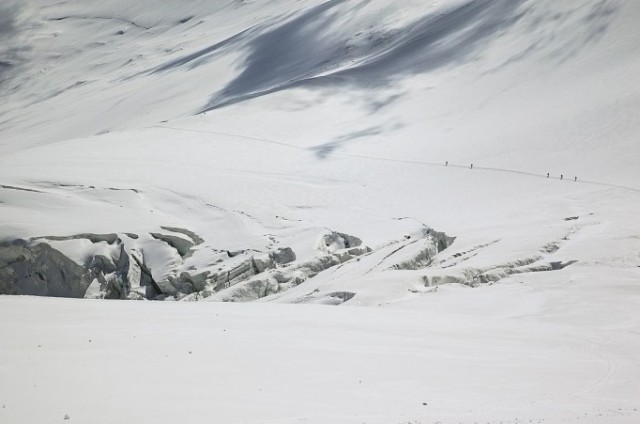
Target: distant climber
x=575, y=179
x=446, y=163
x=547, y=175
x=561, y=176
x=471, y=167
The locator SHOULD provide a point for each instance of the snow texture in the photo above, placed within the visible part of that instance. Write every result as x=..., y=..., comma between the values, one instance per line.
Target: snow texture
x=422, y=211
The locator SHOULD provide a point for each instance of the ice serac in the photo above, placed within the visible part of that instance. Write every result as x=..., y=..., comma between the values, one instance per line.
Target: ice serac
x=38, y=269
x=114, y=266
x=334, y=241
x=157, y=266
x=125, y=278
x=423, y=250
x=258, y=264
x=333, y=248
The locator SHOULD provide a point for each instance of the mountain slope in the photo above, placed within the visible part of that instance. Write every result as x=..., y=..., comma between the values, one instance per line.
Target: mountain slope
x=465, y=170
x=310, y=106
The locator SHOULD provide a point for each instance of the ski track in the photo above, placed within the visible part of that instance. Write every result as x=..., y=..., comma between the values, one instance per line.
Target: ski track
x=405, y=161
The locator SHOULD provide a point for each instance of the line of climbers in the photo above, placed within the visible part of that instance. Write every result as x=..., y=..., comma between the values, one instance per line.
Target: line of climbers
x=575, y=179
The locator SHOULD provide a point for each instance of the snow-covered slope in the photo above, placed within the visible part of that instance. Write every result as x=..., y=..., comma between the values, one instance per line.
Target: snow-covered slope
x=241, y=128
x=321, y=152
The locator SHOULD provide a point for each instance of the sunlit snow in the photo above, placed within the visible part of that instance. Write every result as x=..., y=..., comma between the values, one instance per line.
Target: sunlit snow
x=421, y=211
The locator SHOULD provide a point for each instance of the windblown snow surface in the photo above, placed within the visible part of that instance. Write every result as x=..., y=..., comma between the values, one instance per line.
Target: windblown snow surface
x=252, y=163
